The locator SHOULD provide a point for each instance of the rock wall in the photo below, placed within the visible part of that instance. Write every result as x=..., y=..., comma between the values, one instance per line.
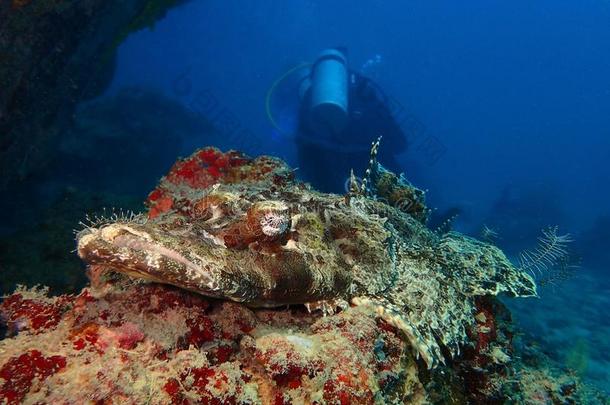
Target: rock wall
x=54, y=54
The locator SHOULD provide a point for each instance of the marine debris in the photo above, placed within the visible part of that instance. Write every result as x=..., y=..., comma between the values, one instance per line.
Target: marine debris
x=188, y=303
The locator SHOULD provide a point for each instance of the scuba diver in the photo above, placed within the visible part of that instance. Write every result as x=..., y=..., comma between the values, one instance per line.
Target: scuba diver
x=340, y=113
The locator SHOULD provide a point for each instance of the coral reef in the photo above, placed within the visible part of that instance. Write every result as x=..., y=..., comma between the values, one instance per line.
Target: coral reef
x=154, y=343
x=131, y=342
x=188, y=303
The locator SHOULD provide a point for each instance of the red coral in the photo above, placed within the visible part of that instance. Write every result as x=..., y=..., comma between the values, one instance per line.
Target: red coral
x=201, y=330
x=275, y=364
x=29, y=314
x=158, y=298
x=209, y=155
x=486, y=328
x=128, y=336
x=173, y=389
x=210, y=166
x=346, y=389
x=86, y=335
x=79, y=344
x=280, y=399
x=199, y=378
x=286, y=365
x=220, y=354
x=200, y=170
x=19, y=372
x=155, y=195
x=159, y=201
x=476, y=379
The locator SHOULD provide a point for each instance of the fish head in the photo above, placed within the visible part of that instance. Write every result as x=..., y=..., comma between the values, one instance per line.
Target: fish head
x=251, y=235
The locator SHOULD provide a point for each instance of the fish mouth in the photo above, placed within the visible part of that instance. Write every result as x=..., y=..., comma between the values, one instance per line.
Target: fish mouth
x=139, y=253
x=199, y=262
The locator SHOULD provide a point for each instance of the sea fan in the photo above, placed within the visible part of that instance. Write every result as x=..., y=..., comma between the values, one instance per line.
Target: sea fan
x=551, y=250
x=488, y=234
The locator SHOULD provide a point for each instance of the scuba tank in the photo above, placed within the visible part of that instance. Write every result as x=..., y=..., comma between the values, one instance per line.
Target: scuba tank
x=322, y=91
x=329, y=112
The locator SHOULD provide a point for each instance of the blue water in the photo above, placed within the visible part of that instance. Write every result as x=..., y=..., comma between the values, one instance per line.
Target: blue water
x=518, y=93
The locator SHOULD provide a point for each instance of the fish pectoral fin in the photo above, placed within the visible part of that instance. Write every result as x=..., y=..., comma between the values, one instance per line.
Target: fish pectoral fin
x=328, y=307
x=428, y=349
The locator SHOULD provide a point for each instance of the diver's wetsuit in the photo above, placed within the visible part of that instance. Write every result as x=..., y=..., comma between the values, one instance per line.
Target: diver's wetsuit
x=325, y=160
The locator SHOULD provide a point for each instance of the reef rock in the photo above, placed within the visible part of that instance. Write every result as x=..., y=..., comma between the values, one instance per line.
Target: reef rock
x=200, y=301
x=129, y=342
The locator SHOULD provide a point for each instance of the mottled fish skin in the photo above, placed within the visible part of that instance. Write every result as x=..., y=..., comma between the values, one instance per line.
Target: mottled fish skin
x=231, y=227
x=199, y=262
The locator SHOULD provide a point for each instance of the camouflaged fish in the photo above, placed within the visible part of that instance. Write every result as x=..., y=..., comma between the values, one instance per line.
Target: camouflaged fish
x=231, y=227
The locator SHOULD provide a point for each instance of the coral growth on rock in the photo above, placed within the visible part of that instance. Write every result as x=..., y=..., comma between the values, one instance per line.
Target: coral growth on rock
x=188, y=303
x=133, y=342
x=152, y=342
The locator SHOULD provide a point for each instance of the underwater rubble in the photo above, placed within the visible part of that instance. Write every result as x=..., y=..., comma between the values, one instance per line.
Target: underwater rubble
x=200, y=301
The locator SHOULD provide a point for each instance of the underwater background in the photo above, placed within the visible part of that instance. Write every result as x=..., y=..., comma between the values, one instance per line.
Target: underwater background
x=505, y=108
